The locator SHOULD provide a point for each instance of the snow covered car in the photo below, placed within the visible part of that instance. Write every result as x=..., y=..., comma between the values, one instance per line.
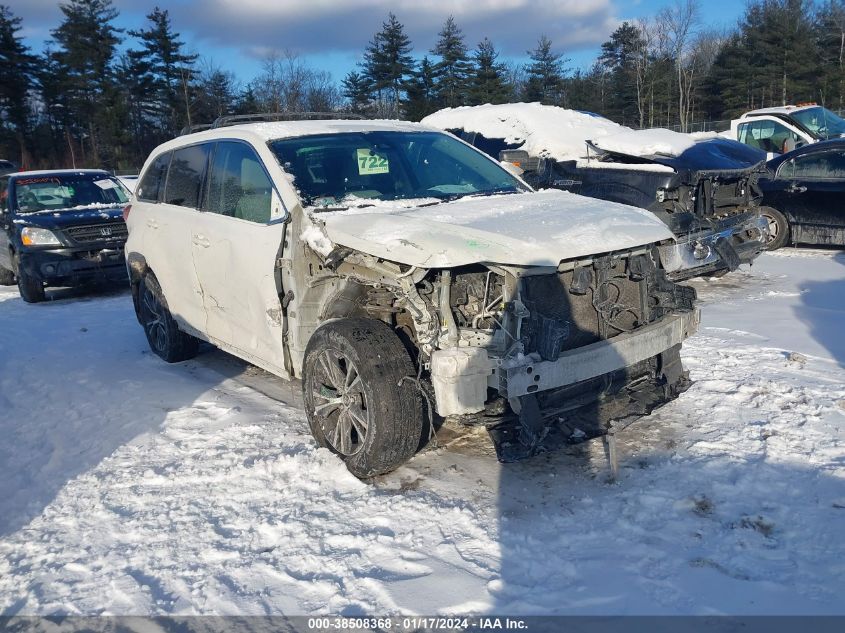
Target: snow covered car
x=802, y=196
x=784, y=128
x=704, y=190
x=402, y=274
x=60, y=228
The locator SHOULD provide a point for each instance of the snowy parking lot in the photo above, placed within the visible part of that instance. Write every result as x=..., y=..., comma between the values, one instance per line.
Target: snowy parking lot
x=129, y=486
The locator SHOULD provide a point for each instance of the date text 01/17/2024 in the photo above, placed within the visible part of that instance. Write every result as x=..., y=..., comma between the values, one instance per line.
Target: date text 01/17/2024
x=416, y=623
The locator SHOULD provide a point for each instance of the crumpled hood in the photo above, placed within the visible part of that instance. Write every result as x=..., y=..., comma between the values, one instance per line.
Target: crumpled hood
x=529, y=229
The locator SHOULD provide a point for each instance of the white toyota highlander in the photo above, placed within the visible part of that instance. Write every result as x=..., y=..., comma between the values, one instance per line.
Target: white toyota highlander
x=405, y=277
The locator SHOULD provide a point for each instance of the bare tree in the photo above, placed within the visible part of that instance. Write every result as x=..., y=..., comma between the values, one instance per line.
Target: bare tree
x=681, y=20
x=289, y=84
x=704, y=49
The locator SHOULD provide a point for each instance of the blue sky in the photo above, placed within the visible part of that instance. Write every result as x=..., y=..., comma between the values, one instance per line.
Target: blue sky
x=331, y=34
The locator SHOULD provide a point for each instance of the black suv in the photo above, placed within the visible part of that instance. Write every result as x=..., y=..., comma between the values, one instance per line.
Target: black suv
x=60, y=228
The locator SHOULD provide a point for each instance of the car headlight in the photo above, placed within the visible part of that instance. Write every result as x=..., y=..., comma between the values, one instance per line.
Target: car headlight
x=31, y=236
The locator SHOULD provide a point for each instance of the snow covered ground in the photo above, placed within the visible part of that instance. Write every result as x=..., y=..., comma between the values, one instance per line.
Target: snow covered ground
x=128, y=486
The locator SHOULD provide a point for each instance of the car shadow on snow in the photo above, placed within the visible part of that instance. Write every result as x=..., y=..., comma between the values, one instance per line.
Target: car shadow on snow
x=77, y=381
x=823, y=307
x=675, y=535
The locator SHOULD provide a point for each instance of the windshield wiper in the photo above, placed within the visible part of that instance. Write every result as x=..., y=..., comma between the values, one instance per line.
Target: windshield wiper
x=327, y=209
x=492, y=192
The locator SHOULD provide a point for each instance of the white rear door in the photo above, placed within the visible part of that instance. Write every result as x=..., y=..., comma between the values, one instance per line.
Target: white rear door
x=167, y=234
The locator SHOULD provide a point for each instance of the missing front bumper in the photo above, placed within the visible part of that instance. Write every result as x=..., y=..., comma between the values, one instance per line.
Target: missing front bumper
x=602, y=357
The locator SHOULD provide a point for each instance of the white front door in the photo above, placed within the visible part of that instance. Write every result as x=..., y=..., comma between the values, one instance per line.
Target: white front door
x=235, y=248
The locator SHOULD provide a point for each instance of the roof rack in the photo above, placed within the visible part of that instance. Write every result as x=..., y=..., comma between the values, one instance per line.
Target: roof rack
x=235, y=119
x=190, y=129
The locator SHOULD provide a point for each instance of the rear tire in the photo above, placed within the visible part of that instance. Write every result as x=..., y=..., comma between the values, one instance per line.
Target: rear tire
x=358, y=403
x=778, y=228
x=31, y=289
x=163, y=334
x=7, y=277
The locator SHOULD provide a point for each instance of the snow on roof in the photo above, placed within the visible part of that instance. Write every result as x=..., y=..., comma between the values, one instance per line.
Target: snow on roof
x=557, y=133
x=51, y=172
x=647, y=142
x=269, y=131
x=546, y=131
x=788, y=109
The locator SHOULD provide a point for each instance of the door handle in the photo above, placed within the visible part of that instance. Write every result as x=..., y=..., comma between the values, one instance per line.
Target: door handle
x=796, y=188
x=200, y=240
x=152, y=223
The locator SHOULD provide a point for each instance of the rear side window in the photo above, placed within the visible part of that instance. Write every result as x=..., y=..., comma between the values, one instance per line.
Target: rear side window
x=184, y=180
x=151, y=185
x=238, y=185
x=819, y=166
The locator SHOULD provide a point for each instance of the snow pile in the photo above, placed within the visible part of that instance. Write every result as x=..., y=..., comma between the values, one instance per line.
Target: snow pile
x=130, y=486
x=646, y=142
x=594, y=163
x=546, y=131
x=318, y=242
x=557, y=133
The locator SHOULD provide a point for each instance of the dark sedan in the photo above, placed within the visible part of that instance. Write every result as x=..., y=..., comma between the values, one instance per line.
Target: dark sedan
x=60, y=228
x=707, y=195
x=804, y=195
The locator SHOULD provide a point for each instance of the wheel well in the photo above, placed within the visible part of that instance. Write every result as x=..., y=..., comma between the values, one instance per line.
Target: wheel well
x=356, y=300
x=137, y=266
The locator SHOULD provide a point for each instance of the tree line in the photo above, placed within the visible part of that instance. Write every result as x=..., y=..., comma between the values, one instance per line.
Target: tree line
x=99, y=96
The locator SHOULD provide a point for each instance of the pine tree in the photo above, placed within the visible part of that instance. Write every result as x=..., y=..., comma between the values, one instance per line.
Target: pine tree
x=388, y=64
x=454, y=68
x=356, y=90
x=16, y=74
x=545, y=74
x=489, y=82
x=247, y=102
x=772, y=60
x=830, y=39
x=421, y=90
x=215, y=91
x=86, y=41
x=169, y=72
x=619, y=55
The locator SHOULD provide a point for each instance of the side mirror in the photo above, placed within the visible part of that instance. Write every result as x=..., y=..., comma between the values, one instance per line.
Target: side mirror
x=520, y=158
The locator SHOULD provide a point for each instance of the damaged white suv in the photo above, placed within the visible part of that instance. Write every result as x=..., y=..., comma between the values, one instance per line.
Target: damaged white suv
x=405, y=277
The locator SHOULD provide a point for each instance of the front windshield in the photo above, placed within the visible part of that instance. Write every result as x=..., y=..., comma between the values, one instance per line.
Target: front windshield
x=349, y=169
x=67, y=191
x=821, y=122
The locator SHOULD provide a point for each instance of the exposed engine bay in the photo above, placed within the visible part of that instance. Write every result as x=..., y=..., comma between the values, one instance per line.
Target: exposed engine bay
x=539, y=356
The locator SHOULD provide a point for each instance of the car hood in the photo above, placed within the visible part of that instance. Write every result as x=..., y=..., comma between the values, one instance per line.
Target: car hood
x=70, y=217
x=714, y=154
x=527, y=229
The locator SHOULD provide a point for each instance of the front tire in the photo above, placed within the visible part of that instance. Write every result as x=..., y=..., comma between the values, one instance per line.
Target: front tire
x=778, y=228
x=163, y=334
x=357, y=400
x=30, y=289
